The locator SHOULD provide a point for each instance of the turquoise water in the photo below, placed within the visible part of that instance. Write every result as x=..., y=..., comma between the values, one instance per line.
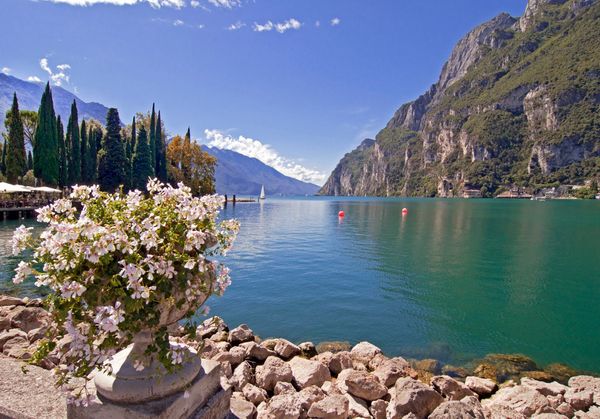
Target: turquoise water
x=455, y=279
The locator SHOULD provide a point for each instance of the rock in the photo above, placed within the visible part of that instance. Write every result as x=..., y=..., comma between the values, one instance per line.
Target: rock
x=7, y=300
x=283, y=406
x=585, y=382
x=4, y=323
x=269, y=343
x=537, y=375
x=226, y=369
x=333, y=347
x=222, y=346
x=501, y=412
x=211, y=326
x=286, y=349
x=560, y=372
x=486, y=370
x=482, y=386
x=324, y=358
x=309, y=395
x=376, y=361
x=307, y=373
x=220, y=337
x=363, y=352
x=271, y=372
x=240, y=334
x=450, y=388
x=256, y=351
x=339, y=362
x=522, y=399
x=234, y=356
x=331, y=407
x=37, y=334
x=308, y=349
x=378, y=408
x=28, y=318
x=565, y=409
x=580, y=399
x=18, y=347
x=254, y=394
x=283, y=388
x=361, y=384
x=511, y=365
x=555, y=401
x=392, y=369
x=409, y=395
x=455, y=372
x=550, y=416
x=331, y=388
x=457, y=409
x=357, y=408
x=547, y=389
x=430, y=365
x=242, y=409
x=242, y=375
x=11, y=334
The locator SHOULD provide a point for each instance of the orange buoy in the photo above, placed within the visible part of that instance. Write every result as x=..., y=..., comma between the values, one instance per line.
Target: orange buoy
x=404, y=211
x=341, y=214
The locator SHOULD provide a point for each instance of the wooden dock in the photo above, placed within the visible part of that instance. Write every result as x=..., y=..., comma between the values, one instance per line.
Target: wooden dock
x=12, y=213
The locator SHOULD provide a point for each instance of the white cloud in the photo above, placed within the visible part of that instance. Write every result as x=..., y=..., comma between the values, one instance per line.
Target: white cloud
x=60, y=76
x=229, y=4
x=6, y=70
x=178, y=22
x=34, y=79
x=279, y=27
x=335, y=21
x=318, y=23
x=200, y=26
x=195, y=3
x=157, y=4
x=263, y=152
x=236, y=26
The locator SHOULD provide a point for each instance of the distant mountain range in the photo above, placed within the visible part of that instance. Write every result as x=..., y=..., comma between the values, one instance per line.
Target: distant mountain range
x=29, y=95
x=242, y=175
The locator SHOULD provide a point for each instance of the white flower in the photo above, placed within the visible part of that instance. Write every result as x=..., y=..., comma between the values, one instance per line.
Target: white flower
x=23, y=270
x=21, y=238
x=72, y=289
x=190, y=264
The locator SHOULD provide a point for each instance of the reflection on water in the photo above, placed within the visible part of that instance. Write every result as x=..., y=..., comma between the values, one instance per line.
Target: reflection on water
x=453, y=279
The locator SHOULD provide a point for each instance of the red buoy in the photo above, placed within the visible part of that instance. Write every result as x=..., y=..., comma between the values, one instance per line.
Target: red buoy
x=341, y=214
x=404, y=211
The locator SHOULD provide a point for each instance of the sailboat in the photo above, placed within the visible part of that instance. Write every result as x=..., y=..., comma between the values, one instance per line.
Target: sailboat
x=262, y=192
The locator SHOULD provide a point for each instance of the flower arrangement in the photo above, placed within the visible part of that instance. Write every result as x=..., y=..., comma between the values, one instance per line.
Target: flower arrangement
x=116, y=265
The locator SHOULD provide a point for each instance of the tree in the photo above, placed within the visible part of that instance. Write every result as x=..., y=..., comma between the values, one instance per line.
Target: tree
x=153, y=136
x=29, y=160
x=85, y=162
x=201, y=166
x=161, y=152
x=16, y=160
x=186, y=156
x=45, y=147
x=142, y=162
x=63, y=166
x=3, y=162
x=30, y=120
x=111, y=158
x=93, y=135
x=74, y=146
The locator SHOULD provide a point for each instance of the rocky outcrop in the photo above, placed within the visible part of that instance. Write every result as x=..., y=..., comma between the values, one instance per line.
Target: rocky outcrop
x=533, y=11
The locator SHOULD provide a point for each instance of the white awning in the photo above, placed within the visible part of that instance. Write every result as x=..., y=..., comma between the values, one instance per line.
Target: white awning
x=8, y=188
x=43, y=189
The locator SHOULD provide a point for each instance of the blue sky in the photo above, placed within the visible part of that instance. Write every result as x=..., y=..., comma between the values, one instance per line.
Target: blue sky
x=297, y=83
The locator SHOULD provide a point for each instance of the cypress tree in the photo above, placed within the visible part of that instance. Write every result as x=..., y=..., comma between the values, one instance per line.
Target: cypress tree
x=74, y=144
x=45, y=149
x=142, y=162
x=111, y=159
x=93, y=154
x=129, y=156
x=186, y=158
x=133, y=135
x=85, y=163
x=161, y=152
x=16, y=158
x=3, y=163
x=29, y=160
x=153, y=136
x=62, y=153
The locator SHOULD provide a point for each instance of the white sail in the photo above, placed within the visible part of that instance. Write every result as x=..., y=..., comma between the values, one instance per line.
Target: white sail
x=262, y=192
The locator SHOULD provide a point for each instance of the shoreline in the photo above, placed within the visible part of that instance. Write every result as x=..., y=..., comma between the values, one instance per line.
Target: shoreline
x=275, y=378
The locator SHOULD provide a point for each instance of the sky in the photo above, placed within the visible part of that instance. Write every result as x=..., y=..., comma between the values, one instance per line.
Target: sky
x=295, y=83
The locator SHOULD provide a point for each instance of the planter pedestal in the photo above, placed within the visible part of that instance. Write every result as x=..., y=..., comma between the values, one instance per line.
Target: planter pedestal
x=205, y=398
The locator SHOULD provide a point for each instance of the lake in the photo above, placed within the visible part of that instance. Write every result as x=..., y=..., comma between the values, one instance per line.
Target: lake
x=454, y=279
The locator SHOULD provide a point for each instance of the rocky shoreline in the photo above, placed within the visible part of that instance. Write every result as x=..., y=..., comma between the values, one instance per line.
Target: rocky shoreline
x=277, y=379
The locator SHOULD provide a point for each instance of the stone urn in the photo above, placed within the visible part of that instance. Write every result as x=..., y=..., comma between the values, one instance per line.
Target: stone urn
x=128, y=385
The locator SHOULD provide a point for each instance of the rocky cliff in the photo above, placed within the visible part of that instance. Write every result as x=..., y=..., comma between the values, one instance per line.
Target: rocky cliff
x=516, y=104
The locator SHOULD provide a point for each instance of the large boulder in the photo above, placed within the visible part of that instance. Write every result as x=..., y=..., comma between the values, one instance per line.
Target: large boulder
x=28, y=318
x=18, y=347
x=286, y=349
x=364, y=352
x=307, y=396
x=256, y=351
x=458, y=409
x=307, y=373
x=547, y=389
x=211, y=326
x=482, y=386
x=241, y=409
x=378, y=408
x=234, y=356
x=498, y=411
x=586, y=382
x=254, y=394
x=450, y=388
x=283, y=406
x=390, y=370
x=240, y=334
x=339, y=362
x=361, y=384
x=11, y=334
x=282, y=388
x=357, y=408
x=333, y=347
x=7, y=300
x=409, y=395
x=521, y=399
x=242, y=375
x=308, y=349
x=271, y=372
x=579, y=399
x=331, y=407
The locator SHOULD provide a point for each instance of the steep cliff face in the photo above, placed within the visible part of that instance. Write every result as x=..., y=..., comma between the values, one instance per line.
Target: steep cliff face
x=518, y=102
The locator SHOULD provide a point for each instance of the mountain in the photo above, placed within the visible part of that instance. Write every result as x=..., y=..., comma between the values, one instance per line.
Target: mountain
x=242, y=175
x=30, y=94
x=516, y=104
